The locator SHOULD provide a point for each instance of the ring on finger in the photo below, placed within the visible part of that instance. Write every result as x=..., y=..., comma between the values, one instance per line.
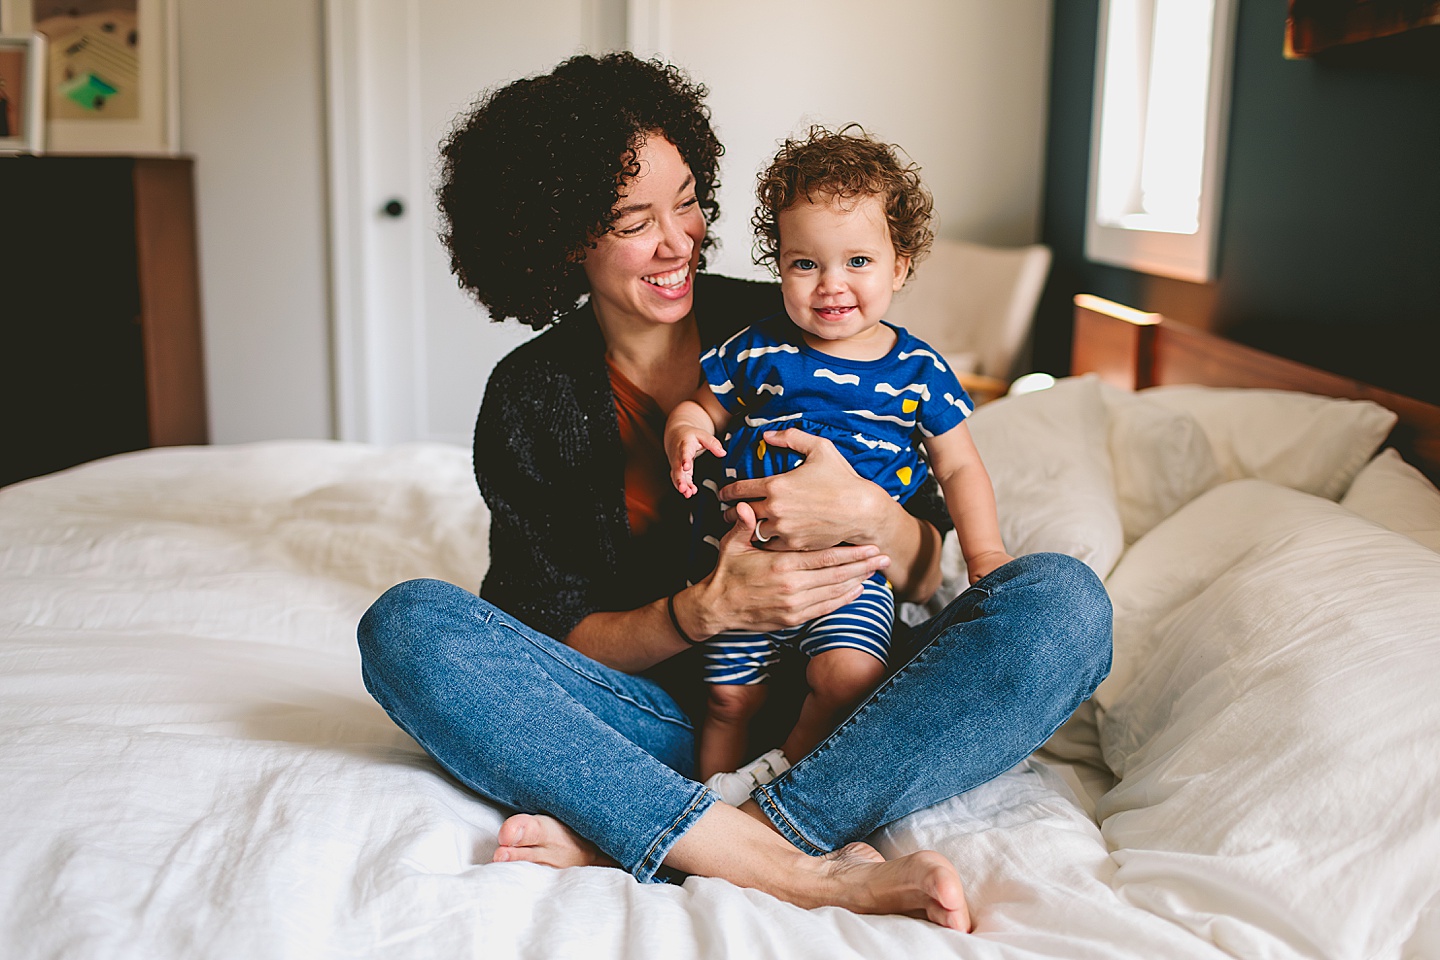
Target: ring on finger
x=758, y=537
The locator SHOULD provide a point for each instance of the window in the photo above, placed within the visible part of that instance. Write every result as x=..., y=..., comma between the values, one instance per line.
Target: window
x=1157, y=146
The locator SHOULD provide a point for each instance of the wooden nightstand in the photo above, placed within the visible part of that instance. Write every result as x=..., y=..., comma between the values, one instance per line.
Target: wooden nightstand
x=983, y=389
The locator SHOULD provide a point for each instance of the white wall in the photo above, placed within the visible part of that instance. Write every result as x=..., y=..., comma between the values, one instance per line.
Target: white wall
x=252, y=113
x=959, y=84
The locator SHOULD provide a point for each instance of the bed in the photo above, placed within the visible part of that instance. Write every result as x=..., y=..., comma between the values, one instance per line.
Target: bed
x=192, y=768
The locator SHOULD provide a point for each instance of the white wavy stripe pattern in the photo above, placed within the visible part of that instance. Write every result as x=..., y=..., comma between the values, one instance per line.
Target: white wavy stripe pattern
x=761, y=421
x=720, y=350
x=841, y=378
x=872, y=415
x=907, y=354
x=957, y=402
x=885, y=445
x=754, y=352
x=918, y=388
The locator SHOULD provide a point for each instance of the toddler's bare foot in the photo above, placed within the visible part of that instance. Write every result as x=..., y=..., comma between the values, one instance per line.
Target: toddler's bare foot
x=923, y=885
x=537, y=838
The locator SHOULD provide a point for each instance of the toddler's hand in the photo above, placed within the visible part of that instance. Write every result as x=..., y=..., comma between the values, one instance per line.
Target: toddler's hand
x=682, y=447
x=983, y=564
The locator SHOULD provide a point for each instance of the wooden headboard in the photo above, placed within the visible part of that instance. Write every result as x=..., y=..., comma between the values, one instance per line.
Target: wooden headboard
x=1132, y=350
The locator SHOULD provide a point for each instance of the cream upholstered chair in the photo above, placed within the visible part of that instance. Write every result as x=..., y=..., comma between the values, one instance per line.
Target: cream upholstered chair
x=975, y=304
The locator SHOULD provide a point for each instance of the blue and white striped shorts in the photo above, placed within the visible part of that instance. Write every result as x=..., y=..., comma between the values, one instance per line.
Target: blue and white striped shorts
x=863, y=624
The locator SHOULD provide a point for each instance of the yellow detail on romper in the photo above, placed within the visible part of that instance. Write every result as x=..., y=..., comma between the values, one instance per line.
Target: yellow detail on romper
x=760, y=450
x=908, y=406
x=904, y=474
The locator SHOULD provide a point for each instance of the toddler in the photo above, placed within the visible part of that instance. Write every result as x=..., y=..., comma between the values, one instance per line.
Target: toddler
x=842, y=221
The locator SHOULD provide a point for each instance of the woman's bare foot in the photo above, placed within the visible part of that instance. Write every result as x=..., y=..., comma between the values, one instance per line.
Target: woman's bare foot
x=923, y=885
x=748, y=852
x=727, y=843
x=537, y=838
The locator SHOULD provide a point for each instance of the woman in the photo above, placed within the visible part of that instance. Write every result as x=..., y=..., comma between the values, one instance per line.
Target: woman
x=562, y=690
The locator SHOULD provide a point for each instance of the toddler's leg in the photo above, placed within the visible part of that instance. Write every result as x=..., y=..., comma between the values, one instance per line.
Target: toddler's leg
x=847, y=651
x=736, y=667
x=724, y=737
x=839, y=679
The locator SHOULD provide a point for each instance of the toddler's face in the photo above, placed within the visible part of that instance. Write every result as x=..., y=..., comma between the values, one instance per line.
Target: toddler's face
x=838, y=268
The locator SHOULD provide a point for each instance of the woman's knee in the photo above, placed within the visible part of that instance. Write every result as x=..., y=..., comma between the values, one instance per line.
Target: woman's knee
x=1056, y=578
x=1070, y=628
x=407, y=616
x=1072, y=583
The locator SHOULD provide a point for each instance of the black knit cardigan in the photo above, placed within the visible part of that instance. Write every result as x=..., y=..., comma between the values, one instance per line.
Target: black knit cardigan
x=551, y=467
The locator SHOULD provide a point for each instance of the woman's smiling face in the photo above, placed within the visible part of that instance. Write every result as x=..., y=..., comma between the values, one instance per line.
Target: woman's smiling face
x=644, y=268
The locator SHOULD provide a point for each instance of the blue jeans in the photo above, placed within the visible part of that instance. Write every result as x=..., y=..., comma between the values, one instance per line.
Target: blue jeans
x=533, y=725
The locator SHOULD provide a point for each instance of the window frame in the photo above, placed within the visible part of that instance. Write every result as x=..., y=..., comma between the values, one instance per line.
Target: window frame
x=1182, y=256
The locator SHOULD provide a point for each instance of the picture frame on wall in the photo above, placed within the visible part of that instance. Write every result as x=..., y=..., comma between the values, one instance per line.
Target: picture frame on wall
x=109, y=74
x=22, y=96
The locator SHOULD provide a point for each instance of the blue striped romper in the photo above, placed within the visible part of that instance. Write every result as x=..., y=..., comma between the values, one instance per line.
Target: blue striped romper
x=876, y=412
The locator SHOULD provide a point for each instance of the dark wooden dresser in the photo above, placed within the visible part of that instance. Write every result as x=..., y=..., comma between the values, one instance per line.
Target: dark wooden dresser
x=99, y=310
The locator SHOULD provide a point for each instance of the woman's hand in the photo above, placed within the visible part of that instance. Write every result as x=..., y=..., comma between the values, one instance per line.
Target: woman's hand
x=758, y=590
x=820, y=503
x=824, y=501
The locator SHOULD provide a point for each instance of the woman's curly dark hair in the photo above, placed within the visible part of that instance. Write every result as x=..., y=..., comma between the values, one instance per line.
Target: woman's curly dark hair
x=844, y=163
x=531, y=175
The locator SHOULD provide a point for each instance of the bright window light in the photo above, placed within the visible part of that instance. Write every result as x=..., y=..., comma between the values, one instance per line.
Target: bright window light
x=1161, y=96
x=1153, y=141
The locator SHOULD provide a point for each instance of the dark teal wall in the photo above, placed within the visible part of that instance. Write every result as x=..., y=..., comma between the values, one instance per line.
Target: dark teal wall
x=1330, y=225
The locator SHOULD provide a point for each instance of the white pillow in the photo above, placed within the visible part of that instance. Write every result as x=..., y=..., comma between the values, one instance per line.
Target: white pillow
x=1298, y=440
x=1048, y=458
x=1395, y=495
x=1170, y=566
x=1161, y=458
x=1276, y=747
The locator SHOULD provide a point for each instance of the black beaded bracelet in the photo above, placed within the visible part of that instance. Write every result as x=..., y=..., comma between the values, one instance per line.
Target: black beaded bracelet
x=675, y=621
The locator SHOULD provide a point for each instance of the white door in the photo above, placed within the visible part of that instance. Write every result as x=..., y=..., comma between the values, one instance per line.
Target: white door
x=412, y=351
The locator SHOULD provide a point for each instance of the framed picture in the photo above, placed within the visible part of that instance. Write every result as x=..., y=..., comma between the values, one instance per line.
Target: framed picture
x=109, y=72
x=1315, y=25
x=22, y=94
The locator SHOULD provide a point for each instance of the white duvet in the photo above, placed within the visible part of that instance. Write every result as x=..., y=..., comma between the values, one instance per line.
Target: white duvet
x=190, y=766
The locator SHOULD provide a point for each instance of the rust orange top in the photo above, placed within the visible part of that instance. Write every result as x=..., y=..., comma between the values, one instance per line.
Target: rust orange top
x=642, y=433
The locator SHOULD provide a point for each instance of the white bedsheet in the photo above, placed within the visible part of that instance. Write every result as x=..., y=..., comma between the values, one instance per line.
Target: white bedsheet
x=191, y=767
